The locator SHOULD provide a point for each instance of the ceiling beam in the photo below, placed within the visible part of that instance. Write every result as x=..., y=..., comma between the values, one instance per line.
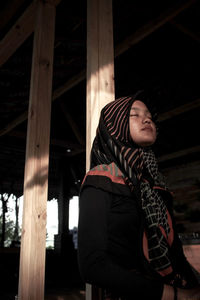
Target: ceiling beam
x=54, y=142
x=186, y=31
x=16, y=36
x=152, y=26
x=9, y=11
x=72, y=124
x=14, y=123
x=69, y=84
x=178, y=154
x=179, y=110
x=20, y=31
x=56, y=94
x=140, y=34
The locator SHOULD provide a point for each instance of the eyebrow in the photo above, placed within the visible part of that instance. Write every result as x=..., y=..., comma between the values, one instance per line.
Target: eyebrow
x=138, y=109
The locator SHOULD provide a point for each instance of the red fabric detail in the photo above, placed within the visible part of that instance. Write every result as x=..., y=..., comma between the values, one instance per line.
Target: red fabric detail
x=166, y=271
x=169, y=239
x=107, y=174
x=100, y=171
x=171, y=233
x=158, y=188
x=145, y=246
x=163, y=231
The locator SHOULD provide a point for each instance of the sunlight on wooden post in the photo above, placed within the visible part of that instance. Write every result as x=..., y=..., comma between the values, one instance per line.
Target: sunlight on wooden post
x=100, y=63
x=33, y=243
x=100, y=74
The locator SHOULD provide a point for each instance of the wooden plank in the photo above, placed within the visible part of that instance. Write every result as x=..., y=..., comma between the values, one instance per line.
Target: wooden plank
x=186, y=31
x=20, y=31
x=100, y=77
x=180, y=153
x=32, y=254
x=100, y=64
x=179, y=110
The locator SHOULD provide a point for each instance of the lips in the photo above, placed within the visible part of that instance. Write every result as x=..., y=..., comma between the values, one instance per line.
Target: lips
x=147, y=128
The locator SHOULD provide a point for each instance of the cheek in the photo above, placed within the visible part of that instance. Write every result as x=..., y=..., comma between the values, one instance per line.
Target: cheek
x=134, y=132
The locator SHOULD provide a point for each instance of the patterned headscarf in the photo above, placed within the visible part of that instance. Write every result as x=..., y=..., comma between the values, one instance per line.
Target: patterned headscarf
x=116, y=156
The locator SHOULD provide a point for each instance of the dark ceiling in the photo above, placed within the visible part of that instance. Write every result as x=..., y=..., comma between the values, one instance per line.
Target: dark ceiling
x=156, y=46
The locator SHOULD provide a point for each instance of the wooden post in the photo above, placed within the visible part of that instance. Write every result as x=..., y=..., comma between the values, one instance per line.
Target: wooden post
x=32, y=255
x=100, y=64
x=100, y=76
x=63, y=212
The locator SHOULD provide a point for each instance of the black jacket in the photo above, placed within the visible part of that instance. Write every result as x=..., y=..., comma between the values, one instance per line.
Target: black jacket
x=110, y=250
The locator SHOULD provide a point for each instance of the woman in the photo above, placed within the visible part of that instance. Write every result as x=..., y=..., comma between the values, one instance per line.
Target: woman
x=127, y=242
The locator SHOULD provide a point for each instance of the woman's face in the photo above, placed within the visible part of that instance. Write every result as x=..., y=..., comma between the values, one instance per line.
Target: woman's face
x=142, y=128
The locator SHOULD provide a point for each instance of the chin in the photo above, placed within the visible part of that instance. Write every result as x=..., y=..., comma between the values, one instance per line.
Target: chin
x=147, y=143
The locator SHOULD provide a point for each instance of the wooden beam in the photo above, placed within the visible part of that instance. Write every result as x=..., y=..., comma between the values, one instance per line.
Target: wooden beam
x=56, y=94
x=178, y=154
x=179, y=110
x=33, y=241
x=72, y=124
x=186, y=31
x=140, y=34
x=100, y=77
x=14, y=123
x=67, y=144
x=100, y=64
x=20, y=31
x=9, y=11
x=69, y=84
x=152, y=26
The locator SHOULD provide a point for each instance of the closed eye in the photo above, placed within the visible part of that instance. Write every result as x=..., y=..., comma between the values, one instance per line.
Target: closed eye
x=134, y=115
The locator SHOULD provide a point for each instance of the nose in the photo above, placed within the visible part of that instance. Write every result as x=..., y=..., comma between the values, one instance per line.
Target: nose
x=146, y=120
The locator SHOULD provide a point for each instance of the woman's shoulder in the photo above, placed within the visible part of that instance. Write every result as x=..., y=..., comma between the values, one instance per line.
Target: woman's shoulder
x=110, y=171
x=109, y=178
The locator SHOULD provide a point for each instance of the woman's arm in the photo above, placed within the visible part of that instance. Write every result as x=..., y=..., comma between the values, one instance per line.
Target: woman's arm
x=96, y=266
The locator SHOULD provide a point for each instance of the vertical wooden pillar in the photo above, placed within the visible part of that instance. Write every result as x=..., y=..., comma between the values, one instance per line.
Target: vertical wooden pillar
x=63, y=207
x=63, y=212
x=32, y=255
x=100, y=64
x=100, y=77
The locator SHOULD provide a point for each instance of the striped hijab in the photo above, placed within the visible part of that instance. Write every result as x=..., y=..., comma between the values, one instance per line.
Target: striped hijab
x=113, y=142
x=114, y=146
